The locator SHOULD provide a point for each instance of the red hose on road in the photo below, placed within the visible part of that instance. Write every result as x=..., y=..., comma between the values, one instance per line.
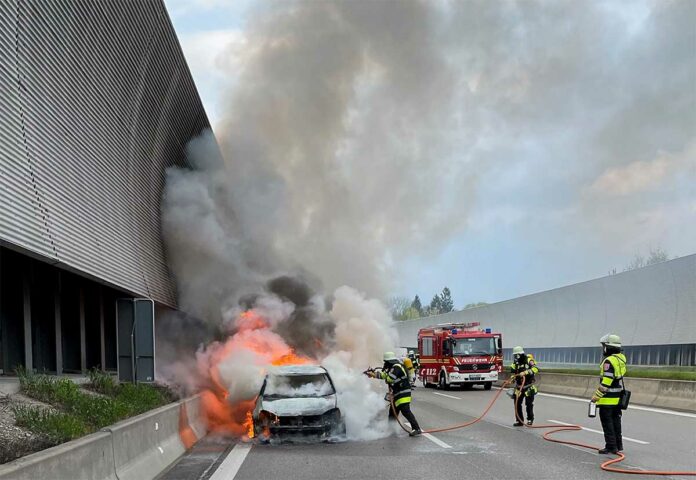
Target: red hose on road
x=606, y=466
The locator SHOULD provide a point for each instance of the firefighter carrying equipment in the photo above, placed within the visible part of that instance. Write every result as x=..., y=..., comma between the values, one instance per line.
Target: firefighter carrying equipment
x=524, y=366
x=399, y=384
x=611, y=371
x=523, y=370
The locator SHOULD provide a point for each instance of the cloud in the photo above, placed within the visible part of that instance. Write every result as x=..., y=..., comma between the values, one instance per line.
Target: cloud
x=633, y=178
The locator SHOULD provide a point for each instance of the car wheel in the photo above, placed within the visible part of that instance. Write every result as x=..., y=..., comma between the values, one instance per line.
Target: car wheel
x=488, y=385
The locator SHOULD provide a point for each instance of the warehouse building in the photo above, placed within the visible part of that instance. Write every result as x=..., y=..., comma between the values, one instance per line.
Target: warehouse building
x=96, y=101
x=653, y=309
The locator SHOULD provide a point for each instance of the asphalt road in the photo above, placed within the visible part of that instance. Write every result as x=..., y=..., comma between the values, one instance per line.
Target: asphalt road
x=492, y=448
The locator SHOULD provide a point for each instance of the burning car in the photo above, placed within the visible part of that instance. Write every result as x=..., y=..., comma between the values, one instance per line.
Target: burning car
x=297, y=400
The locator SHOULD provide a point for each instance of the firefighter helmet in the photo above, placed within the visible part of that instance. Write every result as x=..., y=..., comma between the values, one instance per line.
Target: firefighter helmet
x=611, y=340
x=388, y=356
x=518, y=350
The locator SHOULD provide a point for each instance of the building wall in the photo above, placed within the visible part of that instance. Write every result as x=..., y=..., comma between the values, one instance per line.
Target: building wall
x=96, y=100
x=653, y=309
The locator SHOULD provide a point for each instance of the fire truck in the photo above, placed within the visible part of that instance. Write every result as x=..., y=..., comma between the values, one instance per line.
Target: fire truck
x=459, y=354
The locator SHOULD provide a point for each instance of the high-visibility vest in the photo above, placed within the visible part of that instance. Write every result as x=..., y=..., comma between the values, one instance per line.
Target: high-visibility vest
x=611, y=371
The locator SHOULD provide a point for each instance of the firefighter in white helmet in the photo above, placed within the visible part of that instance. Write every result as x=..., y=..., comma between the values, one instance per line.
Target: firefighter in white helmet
x=523, y=365
x=609, y=392
x=395, y=375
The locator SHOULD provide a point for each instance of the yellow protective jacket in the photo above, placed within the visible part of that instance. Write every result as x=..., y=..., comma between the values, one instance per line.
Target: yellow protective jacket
x=611, y=371
x=397, y=380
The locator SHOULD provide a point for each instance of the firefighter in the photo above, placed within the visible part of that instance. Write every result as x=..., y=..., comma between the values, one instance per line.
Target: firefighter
x=394, y=374
x=609, y=392
x=415, y=358
x=523, y=366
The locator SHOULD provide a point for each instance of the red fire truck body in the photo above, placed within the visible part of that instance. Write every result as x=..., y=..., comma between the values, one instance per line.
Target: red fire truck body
x=459, y=354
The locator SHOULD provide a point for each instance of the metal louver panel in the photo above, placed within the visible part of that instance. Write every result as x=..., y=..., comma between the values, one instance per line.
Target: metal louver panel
x=96, y=101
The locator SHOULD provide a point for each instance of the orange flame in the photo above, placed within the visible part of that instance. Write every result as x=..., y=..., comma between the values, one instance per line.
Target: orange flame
x=254, y=335
x=249, y=424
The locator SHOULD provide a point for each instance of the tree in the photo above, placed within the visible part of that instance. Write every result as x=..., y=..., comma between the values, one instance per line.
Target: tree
x=416, y=304
x=398, y=306
x=446, y=302
x=656, y=255
x=435, y=305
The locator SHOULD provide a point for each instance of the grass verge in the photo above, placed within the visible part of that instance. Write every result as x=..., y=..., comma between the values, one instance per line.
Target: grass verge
x=78, y=412
x=632, y=372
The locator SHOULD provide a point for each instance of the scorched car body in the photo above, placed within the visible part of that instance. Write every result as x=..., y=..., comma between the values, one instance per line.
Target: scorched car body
x=297, y=400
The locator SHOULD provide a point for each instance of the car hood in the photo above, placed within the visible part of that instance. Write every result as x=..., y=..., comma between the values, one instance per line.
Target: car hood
x=299, y=406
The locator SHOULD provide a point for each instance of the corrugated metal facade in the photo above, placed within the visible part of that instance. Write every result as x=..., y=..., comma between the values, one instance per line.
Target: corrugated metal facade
x=96, y=100
x=655, y=305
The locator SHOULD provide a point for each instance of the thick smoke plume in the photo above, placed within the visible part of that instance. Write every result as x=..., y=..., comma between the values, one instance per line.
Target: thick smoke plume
x=335, y=143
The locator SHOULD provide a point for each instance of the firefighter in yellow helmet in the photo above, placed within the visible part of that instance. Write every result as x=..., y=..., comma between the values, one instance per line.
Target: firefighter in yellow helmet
x=395, y=375
x=523, y=365
x=609, y=392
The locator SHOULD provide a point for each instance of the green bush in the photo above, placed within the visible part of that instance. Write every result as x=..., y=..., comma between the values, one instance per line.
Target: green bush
x=139, y=398
x=82, y=412
x=102, y=382
x=56, y=427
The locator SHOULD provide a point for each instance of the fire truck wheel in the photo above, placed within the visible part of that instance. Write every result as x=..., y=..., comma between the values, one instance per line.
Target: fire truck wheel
x=487, y=385
x=442, y=385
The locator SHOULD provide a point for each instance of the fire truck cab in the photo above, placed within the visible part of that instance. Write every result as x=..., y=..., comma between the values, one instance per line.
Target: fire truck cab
x=459, y=354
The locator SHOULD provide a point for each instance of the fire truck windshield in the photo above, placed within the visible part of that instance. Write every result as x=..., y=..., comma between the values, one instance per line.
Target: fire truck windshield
x=474, y=346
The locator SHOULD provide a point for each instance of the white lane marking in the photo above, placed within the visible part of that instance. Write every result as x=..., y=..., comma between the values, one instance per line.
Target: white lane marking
x=431, y=438
x=448, y=396
x=230, y=465
x=632, y=407
x=436, y=440
x=601, y=433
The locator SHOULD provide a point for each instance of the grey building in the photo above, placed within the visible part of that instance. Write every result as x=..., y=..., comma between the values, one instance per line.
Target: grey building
x=653, y=309
x=96, y=101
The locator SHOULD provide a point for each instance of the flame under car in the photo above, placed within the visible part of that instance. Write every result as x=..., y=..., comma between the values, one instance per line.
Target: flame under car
x=297, y=401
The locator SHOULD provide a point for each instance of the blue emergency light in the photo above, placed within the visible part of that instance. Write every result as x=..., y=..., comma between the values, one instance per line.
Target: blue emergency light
x=488, y=330
x=454, y=331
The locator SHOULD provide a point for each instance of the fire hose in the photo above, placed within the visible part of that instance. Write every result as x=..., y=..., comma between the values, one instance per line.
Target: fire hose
x=606, y=466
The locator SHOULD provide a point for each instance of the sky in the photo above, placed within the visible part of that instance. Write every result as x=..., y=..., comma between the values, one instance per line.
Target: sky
x=496, y=148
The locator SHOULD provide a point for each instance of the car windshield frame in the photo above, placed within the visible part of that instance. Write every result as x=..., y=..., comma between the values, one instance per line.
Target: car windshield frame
x=470, y=346
x=296, y=382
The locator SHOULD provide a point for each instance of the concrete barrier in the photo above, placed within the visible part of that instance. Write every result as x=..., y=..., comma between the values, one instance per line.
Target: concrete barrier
x=677, y=394
x=87, y=458
x=137, y=448
x=195, y=417
x=140, y=449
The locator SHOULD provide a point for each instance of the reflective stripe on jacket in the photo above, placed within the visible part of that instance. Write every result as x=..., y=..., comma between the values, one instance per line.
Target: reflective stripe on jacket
x=399, y=384
x=611, y=371
x=529, y=366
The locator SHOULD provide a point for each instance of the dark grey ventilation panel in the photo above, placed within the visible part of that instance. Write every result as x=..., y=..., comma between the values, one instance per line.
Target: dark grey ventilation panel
x=135, y=323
